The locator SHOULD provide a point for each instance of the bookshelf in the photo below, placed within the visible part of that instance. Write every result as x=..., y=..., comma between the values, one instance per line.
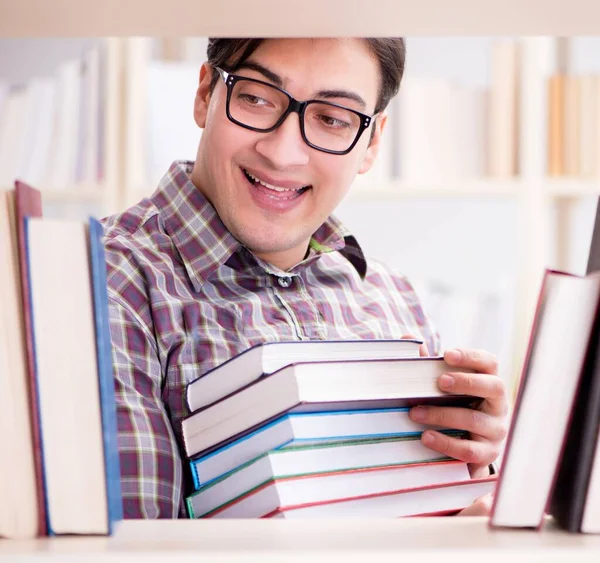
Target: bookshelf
x=126, y=179
x=454, y=540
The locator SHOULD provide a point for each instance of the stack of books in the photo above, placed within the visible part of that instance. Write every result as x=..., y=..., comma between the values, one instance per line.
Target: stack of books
x=59, y=469
x=312, y=429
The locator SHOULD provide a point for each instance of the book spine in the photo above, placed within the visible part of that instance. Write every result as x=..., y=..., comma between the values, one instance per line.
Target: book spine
x=105, y=373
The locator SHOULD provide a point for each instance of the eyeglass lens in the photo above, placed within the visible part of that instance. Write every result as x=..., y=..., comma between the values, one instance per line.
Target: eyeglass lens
x=260, y=106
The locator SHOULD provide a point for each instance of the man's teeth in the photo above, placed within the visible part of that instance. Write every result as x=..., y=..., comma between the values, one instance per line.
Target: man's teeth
x=276, y=188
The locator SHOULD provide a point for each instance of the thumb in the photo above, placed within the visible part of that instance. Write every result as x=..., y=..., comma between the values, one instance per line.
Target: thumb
x=422, y=348
x=480, y=507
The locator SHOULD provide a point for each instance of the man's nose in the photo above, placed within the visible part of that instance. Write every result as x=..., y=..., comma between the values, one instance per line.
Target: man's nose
x=284, y=147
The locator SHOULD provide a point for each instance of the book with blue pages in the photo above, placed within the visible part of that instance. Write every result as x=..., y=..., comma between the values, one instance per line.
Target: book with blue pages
x=269, y=357
x=75, y=385
x=305, y=429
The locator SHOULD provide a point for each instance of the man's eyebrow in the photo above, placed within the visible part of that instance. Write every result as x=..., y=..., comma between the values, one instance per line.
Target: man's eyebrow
x=268, y=74
x=346, y=94
x=323, y=94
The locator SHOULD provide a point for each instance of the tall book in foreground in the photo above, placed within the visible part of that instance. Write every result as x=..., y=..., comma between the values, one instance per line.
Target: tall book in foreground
x=561, y=334
x=69, y=394
x=576, y=500
x=28, y=203
x=105, y=373
x=269, y=357
x=20, y=490
x=574, y=494
x=318, y=386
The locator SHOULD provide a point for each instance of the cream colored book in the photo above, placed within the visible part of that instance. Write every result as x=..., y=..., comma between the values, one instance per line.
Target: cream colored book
x=18, y=487
x=502, y=132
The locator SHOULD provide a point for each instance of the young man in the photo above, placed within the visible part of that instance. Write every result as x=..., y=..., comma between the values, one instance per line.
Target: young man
x=240, y=247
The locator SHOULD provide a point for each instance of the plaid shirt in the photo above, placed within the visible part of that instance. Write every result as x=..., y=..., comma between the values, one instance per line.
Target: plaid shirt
x=185, y=296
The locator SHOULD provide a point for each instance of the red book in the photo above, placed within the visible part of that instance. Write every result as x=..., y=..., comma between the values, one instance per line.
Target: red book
x=28, y=203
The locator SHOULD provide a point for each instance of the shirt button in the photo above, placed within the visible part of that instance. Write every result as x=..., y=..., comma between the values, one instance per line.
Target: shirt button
x=284, y=282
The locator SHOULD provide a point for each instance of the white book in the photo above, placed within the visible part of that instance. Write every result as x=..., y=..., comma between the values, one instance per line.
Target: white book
x=61, y=173
x=502, y=130
x=269, y=357
x=89, y=131
x=438, y=500
x=67, y=376
x=12, y=133
x=279, y=493
x=537, y=64
x=423, y=116
x=466, y=154
x=173, y=134
x=317, y=386
x=550, y=379
x=39, y=134
x=18, y=488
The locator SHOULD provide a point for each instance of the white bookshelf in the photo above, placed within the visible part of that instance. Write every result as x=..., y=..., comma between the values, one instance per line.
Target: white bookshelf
x=452, y=540
x=533, y=193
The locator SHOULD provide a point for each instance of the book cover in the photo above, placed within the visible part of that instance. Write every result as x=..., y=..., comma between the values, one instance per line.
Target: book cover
x=28, y=203
x=105, y=374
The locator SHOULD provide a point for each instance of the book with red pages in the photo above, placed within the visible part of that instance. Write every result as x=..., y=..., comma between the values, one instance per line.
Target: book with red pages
x=561, y=339
x=319, y=386
x=266, y=358
x=314, y=459
x=21, y=491
x=280, y=492
x=433, y=500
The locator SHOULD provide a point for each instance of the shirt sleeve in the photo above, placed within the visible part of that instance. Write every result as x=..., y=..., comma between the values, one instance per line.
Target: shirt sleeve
x=151, y=472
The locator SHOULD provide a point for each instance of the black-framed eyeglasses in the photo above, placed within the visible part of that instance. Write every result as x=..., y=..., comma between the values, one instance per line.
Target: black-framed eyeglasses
x=260, y=106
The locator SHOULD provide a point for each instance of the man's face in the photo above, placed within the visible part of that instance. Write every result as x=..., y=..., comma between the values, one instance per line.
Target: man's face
x=277, y=224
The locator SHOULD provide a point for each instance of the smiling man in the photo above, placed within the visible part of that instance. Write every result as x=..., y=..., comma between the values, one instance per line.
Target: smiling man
x=241, y=247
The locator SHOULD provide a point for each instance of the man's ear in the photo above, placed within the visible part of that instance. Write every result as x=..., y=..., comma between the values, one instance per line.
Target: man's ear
x=202, y=98
x=375, y=143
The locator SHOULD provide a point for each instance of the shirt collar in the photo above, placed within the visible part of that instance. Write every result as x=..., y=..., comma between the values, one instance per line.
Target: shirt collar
x=204, y=242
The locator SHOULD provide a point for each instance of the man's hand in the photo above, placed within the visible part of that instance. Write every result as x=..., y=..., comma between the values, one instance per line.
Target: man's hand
x=480, y=507
x=487, y=425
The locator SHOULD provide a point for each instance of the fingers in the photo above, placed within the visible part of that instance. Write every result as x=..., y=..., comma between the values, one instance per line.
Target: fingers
x=483, y=385
x=423, y=352
x=471, y=420
x=480, y=507
x=469, y=451
x=478, y=360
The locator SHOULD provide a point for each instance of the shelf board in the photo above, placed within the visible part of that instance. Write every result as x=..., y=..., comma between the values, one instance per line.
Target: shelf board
x=482, y=188
x=75, y=194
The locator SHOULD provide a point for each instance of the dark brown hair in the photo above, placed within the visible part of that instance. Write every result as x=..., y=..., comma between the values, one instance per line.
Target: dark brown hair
x=390, y=52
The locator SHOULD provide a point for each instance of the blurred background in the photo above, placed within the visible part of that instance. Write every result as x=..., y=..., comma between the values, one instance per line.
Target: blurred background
x=489, y=173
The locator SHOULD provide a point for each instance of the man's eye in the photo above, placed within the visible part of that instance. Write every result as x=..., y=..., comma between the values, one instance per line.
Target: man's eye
x=253, y=100
x=333, y=122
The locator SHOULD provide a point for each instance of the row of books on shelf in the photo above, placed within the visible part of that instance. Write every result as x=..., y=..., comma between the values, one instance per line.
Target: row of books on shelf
x=532, y=118
x=59, y=469
x=52, y=127
x=283, y=429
